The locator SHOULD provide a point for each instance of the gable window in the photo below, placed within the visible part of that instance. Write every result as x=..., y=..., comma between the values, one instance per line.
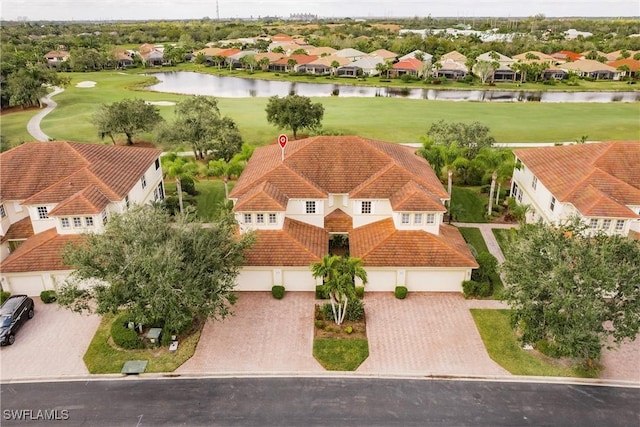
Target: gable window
x=3, y=213
x=104, y=217
x=417, y=218
x=64, y=222
x=260, y=218
x=77, y=222
x=534, y=182
x=365, y=207
x=606, y=224
x=272, y=218
x=552, y=205
x=143, y=182
x=310, y=206
x=620, y=225
x=593, y=224
x=431, y=218
x=42, y=212
x=406, y=218
x=89, y=221
x=126, y=201
x=247, y=218
x=157, y=163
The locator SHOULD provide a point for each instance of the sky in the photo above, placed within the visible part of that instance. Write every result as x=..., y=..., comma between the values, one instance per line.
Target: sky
x=197, y=9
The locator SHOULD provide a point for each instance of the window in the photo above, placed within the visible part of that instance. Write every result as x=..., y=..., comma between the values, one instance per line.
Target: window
x=160, y=191
x=260, y=218
x=365, y=208
x=3, y=213
x=514, y=193
x=104, y=217
x=64, y=222
x=42, y=212
x=417, y=218
x=272, y=218
x=552, y=205
x=619, y=225
x=310, y=206
x=247, y=218
x=593, y=224
x=520, y=196
x=143, y=181
x=406, y=218
x=77, y=222
x=606, y=224
x=89, y=221
x=431, y=218
x=534, y=182
x=126, y=201
x=157, y=163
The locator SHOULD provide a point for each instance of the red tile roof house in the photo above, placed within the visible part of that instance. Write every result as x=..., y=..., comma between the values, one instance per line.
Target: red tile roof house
x=52, y=192
x=598, y=182
x=382, y=196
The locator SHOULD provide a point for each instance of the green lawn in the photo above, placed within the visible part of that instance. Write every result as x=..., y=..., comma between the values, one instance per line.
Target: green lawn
x=389, y=119
x=336, y=354
x=503, y=347
x=209, y=199
x=473, y=237
x=103, y=358
x=502, y=235
x=467, y=205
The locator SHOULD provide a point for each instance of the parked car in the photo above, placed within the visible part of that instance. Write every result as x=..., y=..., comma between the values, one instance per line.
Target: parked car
x=16, y=310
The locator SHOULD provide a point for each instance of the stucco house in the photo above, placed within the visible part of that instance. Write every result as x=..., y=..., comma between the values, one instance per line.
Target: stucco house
x=599, y=182
x=55, y=57
x=380, y=198
x=52, y=192
x=503, y=72
x=591, y=68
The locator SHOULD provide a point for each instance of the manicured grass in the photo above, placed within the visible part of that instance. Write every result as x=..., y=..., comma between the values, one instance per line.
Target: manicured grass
x=103, y=358
x=473, y=237
x=503, y=347
x=388, y=119
x=467, y=205
x=13, y=126
x=502, y=236
x=210, y=197
x=336, y=354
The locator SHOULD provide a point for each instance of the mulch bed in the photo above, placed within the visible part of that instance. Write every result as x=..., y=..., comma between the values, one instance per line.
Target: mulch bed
x=329, y=328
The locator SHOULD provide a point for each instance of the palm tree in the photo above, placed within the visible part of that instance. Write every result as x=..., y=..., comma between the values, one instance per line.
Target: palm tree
x=334, y=67
x=225, y=170
x=498, y=162
x=328, y=270
x=179, y=168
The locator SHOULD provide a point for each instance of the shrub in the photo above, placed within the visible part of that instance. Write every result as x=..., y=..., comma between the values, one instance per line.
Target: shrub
x=4, y=295
x=277, y=291
x=355, y=311
x=401, y=292
x=328, y=328
x=321, y=292
x=360, y=292
x=123, y=336
x=471, y=288
x=319, y=324
x=488, y=267
x=349, y=330
x=189, y=186
x=48, y=297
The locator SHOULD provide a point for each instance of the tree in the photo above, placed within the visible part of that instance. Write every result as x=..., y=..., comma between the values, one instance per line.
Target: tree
x=129, y=116
x=499, y=163
x=334, y=67
x=225, y=170
x=339, y=275
x=264, y=63
x=162, y=272
x=470, y=138
x=249, y=61
x=198, y=122
x=26, y=86
x=485, y=69
x=294, y=112
x=563, y=289
x=179, y=168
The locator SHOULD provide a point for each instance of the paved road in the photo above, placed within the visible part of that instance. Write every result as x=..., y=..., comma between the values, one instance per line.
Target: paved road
x=317, y=401
x=33, y=126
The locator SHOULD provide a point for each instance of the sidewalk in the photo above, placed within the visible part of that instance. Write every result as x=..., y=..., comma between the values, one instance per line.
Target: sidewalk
x=488, y=236
x=33, y=126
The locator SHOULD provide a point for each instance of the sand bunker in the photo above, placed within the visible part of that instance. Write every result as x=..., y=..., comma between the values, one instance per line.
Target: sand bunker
x=87, y=83
x=160, y=103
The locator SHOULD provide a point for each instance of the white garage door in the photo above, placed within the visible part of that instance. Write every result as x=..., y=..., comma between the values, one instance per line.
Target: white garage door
x=380, y=280
x=254, y=280
x=434, y=281
x=299, y=280
x=29, y=285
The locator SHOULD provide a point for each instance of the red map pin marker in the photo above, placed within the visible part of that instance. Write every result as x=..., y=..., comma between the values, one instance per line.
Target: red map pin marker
x=282, y=140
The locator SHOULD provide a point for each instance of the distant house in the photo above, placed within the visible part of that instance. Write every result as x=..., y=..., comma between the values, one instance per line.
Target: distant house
x=426, y=57
x=572, y=33
x=366, y=66
x=566, y=56
x=320, y=51
x=385, y=55
x=599, y=183
x=411, y=67
x=554, y=73
x=56, y=57
x=291, y=63
x=534, y=57
x=123, y=58
x=632, y=64
x=349, y=53
x=503, y=72
x=380, y=200
x=592, y=69
x=450, y=69
x=52, y=192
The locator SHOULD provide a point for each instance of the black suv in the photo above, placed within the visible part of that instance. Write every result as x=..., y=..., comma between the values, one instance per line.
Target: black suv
x=16, y=310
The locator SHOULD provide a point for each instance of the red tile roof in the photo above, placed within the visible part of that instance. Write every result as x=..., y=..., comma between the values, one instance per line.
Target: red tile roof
x=41, y=252
x=409, y=64
x=599, y=179
x=380, y=245
x=338, y=221
x=633, y=64
x=88, y=201
x=297, y=244
x=19, y=230
x=300, y=59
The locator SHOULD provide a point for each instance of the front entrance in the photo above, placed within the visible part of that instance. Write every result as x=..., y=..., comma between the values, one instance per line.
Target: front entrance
x=339, y=244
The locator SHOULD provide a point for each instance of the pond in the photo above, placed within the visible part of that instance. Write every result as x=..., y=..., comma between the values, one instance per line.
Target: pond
x=191, y=83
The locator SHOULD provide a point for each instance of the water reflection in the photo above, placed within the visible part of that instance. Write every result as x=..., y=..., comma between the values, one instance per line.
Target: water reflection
x=191, y=83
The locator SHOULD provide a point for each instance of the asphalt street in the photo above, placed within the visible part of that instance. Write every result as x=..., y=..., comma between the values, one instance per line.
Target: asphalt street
x=278, y=401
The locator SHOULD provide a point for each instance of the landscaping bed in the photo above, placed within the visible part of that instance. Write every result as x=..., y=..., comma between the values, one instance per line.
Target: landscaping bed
x=329, y=329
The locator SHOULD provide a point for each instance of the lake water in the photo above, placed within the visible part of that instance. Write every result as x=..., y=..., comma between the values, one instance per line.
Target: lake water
x=191, y=83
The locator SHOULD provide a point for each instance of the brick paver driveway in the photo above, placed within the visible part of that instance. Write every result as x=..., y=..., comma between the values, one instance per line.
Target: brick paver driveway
x=423, y=334
x=51, y=344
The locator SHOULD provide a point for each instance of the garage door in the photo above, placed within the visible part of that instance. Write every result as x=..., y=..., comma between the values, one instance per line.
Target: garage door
x=299, y=280
x=380, y=280
x=435, y=281
x=29, y=285
x=255, y=280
